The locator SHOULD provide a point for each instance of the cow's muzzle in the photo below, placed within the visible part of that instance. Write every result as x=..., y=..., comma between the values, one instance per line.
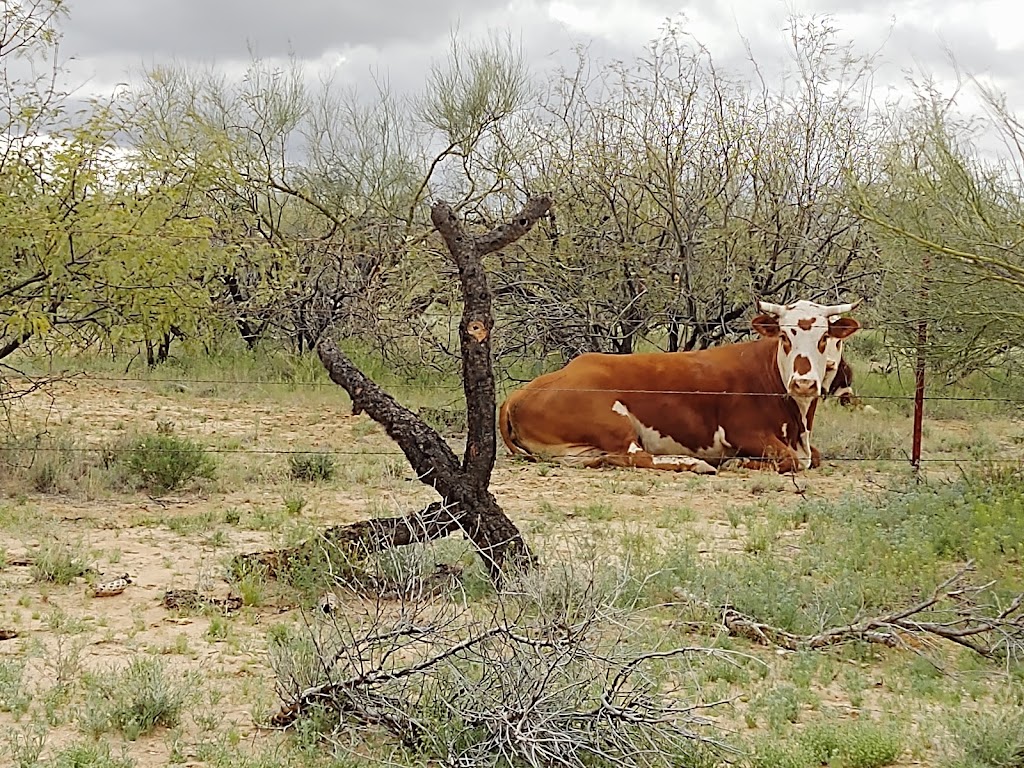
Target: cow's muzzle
x=804, y=387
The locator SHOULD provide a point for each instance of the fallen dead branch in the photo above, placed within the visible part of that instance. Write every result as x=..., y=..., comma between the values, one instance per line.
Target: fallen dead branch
x=193, y=600
x=539, y=684
x=957, y=611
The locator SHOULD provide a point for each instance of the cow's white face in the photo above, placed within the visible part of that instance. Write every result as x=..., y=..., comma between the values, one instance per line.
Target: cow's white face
x=810, y=338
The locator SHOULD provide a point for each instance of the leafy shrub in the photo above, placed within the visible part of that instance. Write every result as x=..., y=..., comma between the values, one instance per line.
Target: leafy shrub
x=137, y=700
x=13, y=695
x=771, y=753
x=852, y=743
x=992, y=739
x=95, y=755
x=58, y=562
x=163, y=462
x=311, y=467
x=43, y=463
x=862, y=556
x=780, y=705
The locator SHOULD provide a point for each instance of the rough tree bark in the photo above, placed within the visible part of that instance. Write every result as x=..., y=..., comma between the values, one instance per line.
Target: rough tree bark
x=466, y=501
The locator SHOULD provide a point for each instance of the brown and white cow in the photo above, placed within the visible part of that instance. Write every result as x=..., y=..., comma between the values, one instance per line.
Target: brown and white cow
x=692, y=411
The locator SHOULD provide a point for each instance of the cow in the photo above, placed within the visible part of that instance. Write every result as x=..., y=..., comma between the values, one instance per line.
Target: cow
x=838, y=380
x=687, y=411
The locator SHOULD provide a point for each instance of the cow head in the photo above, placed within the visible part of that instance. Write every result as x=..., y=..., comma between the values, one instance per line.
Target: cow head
x=809, y=338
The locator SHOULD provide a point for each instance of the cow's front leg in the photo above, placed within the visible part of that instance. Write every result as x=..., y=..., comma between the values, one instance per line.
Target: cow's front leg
x=643, y=460
x=773, y=454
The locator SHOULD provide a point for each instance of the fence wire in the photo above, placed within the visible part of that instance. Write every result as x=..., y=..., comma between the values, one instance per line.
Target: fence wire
x=70, y=376
x=118, y=450
x=896, y=454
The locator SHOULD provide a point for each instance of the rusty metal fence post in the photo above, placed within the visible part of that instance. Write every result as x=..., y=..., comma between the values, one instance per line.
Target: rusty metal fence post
x=919, y=371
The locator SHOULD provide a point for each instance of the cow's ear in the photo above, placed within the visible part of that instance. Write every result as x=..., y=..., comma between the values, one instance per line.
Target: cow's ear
x=842, y=327
x=766, y=325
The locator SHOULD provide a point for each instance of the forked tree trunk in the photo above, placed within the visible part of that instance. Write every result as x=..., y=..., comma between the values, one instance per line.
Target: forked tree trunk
x=466, y=501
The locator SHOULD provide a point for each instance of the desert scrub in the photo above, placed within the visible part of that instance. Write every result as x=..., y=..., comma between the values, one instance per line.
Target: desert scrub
x=13, y=695
x=162, y=462
x=852, y=743
x=991, y=739
x=311, y=467
x=58, y=562
x=135, y=701
x=836, y=743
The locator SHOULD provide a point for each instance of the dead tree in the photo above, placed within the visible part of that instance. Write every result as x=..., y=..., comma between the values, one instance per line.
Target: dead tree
x=466, y=501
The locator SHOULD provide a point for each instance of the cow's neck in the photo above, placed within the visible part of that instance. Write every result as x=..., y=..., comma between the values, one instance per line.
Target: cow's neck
x=805, y=407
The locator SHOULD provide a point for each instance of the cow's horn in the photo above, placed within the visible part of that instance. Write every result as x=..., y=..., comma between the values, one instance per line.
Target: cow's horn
x=771, y=309
x=838, y=309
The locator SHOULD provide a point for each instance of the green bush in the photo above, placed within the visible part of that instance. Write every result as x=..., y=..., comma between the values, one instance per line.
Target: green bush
x=14, y=697
x=163, y=462
x=58, y=562
x=87, y=756
x=311, y=467
x=771, y=753
x=864, y=556
x=991, y=739
x=136, y=701
x=852, y=743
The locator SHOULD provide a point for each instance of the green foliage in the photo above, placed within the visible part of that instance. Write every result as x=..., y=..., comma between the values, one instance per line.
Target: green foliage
x=26, y=744
x=772, y=753
x=852, y=743
x=136, y=700
x=780, y=705
x=988, y=739
x=45, y=463
x=943, y=217
x=123, y=265
x=860, y=555
x=59, y=562
x=311, y=467
x=163, y=462
x=13, y=695
x=836, y=743
x=87, y=755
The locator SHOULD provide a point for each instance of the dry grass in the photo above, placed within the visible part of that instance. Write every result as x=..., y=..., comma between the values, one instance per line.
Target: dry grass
x=664, y=524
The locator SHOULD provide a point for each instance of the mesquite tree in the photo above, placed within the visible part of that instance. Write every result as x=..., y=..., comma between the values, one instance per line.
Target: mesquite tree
x=467, y=503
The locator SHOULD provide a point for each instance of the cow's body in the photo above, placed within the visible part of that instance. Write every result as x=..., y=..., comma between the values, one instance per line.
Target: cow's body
x=685, y=410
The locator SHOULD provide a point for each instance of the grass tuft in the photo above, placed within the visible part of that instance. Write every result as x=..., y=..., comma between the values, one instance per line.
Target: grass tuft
x=312, y=467
x=137, y=700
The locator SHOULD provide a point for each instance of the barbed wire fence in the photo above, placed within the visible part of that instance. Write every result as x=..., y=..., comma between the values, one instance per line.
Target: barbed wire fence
x=911, y=324
x=900, y=453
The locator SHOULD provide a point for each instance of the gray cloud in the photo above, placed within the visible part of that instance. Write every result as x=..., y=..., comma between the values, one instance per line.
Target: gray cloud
x=395, y=40
x=224, y=28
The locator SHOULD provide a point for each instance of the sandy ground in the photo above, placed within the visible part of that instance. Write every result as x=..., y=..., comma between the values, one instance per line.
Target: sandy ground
x=163, y=543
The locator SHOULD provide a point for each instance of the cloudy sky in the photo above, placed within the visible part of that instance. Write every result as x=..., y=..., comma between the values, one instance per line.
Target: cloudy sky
x=356, y=40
